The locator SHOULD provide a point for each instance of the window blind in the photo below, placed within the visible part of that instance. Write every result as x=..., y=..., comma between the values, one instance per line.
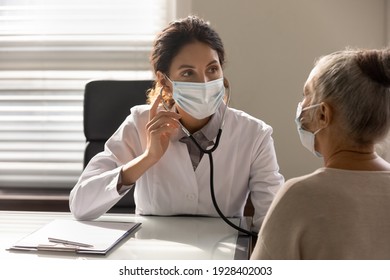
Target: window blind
x=49, y=50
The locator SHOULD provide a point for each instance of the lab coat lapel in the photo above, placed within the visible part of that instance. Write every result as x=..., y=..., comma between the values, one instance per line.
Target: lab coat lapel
x=203, y=166
x=185, y=164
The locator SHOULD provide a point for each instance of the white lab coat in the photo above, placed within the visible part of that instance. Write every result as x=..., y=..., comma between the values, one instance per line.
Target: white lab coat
x=244, y=162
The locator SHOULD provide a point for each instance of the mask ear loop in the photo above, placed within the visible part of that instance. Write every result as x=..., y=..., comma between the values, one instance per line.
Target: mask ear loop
x=305, y=109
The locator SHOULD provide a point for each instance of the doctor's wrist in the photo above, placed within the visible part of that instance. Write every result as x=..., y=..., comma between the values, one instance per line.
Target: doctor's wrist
x=122, y=188
x=134, y=169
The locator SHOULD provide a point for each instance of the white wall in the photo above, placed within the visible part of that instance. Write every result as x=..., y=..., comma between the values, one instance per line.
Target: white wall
x=271, y=46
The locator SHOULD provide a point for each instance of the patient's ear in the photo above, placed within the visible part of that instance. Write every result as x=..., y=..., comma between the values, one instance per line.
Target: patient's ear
x=325, y=114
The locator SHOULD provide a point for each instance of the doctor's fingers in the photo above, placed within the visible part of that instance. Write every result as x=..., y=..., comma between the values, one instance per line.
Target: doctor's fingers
x=164, y=118
x=153, y=109
x=160, y=131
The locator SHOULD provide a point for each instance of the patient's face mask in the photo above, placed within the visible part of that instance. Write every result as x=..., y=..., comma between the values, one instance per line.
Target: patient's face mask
x=200, y=100
x=307, y=137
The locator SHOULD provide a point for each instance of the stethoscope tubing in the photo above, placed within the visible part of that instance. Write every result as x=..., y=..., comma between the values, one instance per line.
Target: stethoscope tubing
x=209, y=153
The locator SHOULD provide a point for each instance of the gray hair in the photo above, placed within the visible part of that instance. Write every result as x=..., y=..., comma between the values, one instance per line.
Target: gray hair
x=356, y=83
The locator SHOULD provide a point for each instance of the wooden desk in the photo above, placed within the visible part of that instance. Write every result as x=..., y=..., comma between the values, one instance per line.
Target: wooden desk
x=158, y=237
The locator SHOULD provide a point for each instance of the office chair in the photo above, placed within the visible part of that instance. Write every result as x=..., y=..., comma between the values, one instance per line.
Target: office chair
x=107, y=103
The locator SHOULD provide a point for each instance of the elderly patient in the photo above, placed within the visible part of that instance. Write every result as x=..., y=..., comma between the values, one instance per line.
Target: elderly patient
x=342, y=210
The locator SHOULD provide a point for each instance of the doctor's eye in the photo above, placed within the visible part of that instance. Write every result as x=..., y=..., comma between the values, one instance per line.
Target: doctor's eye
x=213, y=69
x=186, y=73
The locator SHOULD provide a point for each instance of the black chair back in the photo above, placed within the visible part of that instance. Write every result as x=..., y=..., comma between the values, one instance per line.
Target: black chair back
x=107, y=103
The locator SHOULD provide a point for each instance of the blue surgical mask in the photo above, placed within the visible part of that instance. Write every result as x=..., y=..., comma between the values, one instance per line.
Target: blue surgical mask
x=200, y=100
x=307, y=138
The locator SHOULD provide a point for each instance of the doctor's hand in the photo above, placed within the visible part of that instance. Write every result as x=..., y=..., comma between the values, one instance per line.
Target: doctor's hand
x=160, y=127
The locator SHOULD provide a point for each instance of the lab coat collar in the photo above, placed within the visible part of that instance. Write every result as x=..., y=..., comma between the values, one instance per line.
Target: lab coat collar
x=210, y=130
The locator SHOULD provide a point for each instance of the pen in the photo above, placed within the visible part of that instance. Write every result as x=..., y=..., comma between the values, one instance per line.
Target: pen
x=67, y=242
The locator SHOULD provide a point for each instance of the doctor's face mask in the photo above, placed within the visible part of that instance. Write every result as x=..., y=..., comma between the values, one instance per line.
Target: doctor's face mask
x=307, y=138
x=200, y=100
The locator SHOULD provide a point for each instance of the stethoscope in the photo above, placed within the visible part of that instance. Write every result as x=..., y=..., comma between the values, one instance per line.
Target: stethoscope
x=209, y=152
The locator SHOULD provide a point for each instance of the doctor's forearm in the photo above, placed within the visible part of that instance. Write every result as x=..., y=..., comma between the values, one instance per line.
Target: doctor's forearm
x=135, y=168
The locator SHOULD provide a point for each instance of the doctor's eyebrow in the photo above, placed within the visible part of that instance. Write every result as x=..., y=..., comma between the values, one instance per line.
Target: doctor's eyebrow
x=214, y=61
x=186, y=66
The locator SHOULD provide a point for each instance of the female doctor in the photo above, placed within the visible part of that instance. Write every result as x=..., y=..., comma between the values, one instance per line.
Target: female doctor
x=151, y=150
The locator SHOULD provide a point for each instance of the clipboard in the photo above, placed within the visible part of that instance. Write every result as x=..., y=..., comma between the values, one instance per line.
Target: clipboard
x=82, y=237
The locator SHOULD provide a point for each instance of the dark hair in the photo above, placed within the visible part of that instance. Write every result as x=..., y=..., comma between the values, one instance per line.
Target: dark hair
x=180, y=33
x=172, y=39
